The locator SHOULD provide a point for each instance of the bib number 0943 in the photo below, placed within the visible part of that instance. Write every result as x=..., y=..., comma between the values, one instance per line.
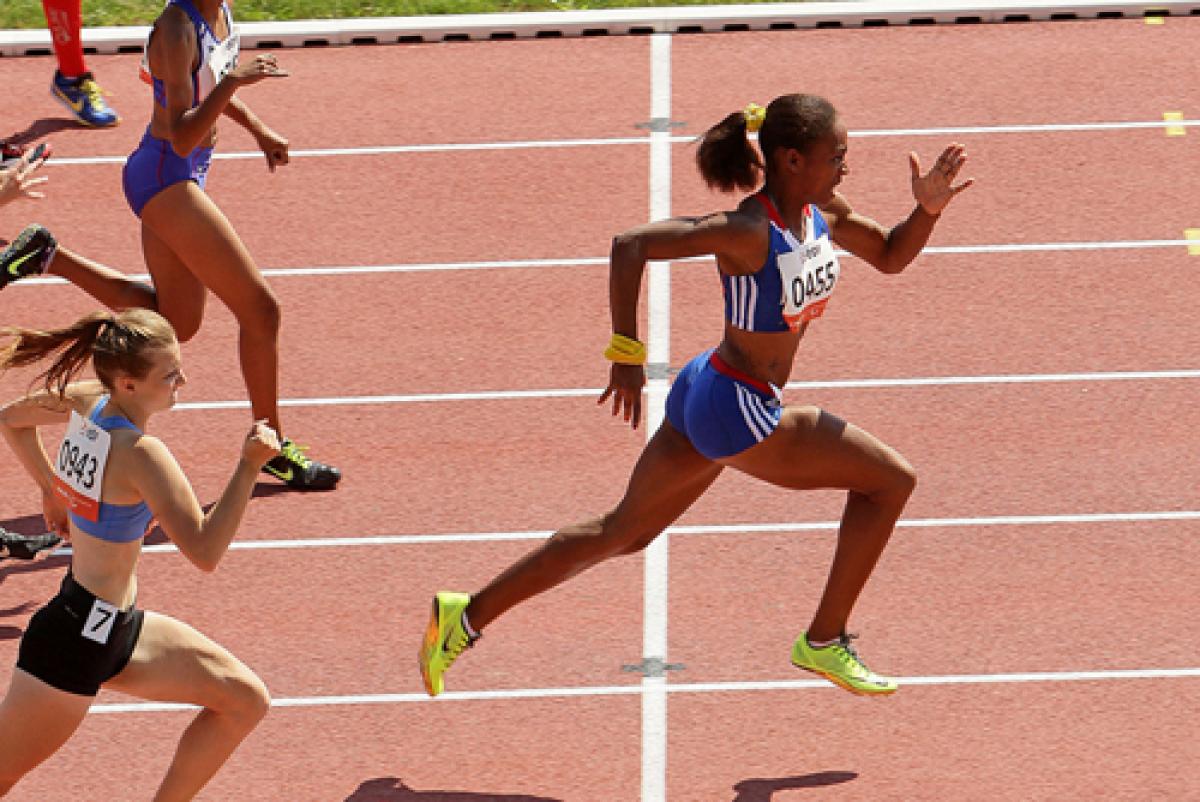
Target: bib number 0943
x=76, y=465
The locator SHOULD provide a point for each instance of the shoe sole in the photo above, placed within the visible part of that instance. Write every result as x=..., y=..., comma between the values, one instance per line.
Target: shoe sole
x=841, y=683
x=429, y=646
x=294, y=483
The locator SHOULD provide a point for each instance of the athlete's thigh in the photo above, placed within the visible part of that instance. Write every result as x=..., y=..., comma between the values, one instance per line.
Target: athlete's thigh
x=174, y=662
x=35, y=720
x=181, y=295
x=811, y=448
x=190, y=224
x=667, y=479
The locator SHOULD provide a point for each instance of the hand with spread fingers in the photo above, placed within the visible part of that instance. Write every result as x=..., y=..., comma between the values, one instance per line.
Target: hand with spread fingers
x=936, y=189
x=625, y=386
x=17, y=179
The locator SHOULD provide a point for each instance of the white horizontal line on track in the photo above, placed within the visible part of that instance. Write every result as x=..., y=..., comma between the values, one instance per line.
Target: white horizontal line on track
x=829, y=384
x=699, y=529
x=602, y=261
x=534, y=144
x=677, y=687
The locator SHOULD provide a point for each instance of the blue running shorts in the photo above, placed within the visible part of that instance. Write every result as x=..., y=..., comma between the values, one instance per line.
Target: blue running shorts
x=721, y=410
x=155, y=165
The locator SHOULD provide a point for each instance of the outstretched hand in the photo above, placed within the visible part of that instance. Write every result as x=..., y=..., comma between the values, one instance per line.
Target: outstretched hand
x=936, y=189
x=625, y=386
x=17, y=179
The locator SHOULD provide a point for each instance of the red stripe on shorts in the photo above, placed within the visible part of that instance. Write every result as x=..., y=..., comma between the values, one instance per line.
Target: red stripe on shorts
x=721, y=366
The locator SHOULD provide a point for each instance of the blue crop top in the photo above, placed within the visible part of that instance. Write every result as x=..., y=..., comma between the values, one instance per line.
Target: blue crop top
x=117, y=523
x=793, y=284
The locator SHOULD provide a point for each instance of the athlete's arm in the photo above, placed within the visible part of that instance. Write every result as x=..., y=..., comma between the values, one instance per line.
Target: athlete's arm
x=273, y=146
x=172, y=56
x=891, y=250
x=203, y=538
x=738, y=240
x=735, y=238
x=19, y=422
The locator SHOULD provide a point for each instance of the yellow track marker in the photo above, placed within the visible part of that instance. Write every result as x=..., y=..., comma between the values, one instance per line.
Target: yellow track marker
x=1193, y=235
x=1172, y=117
x=1156, y=20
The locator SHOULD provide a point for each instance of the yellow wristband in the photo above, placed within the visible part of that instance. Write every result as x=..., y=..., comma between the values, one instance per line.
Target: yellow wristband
x=625, y=350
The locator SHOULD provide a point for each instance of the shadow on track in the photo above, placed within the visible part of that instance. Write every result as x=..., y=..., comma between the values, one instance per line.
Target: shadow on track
x=393, y=789
x=762, y=789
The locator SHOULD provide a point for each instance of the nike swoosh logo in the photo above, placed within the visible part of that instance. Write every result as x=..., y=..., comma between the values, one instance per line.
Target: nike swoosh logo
x=14, y=268
x=284, y=475
x=76, y=106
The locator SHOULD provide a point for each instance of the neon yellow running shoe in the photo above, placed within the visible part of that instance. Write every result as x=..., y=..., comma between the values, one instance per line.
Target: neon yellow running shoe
x=840, y=664
x=445, y=638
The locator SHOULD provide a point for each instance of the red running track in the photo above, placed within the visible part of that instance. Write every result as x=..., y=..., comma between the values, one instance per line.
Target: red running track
x=993, y=576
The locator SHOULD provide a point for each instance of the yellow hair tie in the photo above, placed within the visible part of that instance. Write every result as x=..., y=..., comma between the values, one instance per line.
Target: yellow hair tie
x=625, y=351
x=754, y=114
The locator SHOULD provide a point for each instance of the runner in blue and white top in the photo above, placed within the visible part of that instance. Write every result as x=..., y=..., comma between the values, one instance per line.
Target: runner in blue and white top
x=778, y=269
x=192, y=61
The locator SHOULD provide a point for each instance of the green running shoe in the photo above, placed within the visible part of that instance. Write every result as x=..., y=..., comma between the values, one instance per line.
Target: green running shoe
x=298, y=471
x=27, y=255
x=840, y=664
x=445, y=638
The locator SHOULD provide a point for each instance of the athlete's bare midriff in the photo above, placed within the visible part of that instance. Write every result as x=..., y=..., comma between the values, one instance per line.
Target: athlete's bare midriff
x=766, y=356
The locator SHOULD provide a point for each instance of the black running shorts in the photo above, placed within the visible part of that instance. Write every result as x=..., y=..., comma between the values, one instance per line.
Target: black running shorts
x=77, y=642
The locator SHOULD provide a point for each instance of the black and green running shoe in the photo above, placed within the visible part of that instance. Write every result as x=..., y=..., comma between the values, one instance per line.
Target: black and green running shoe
x=27, y=255
x=25, y=547
x=294, y=468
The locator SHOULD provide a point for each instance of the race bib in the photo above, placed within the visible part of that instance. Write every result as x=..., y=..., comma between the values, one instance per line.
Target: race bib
x=221, y=60
x=99, y=622
x=808, y=274
x=79, y=468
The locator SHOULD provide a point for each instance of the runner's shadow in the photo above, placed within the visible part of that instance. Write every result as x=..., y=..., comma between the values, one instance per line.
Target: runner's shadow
x=25, y=525
x=268, y=488
x=10, y=632
x=762, y=789
x=39, y=129
x=393, y=789
x=51, y=562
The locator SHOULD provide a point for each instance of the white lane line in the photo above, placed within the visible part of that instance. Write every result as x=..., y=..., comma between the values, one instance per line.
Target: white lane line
x=602, y=261
x=445, y=538
x=676, y=687
x=1016, y=378
x=625, y=141
x=658, y=352
x=829, y=384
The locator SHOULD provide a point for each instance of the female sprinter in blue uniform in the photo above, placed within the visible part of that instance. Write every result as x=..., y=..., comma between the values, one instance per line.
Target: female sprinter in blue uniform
x=188, y=244
x=110, y=479
x=778, y=269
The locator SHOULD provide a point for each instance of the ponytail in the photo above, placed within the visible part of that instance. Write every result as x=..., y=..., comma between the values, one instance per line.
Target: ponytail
x=114, y=343
x=726, y=159
x=729, y=162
